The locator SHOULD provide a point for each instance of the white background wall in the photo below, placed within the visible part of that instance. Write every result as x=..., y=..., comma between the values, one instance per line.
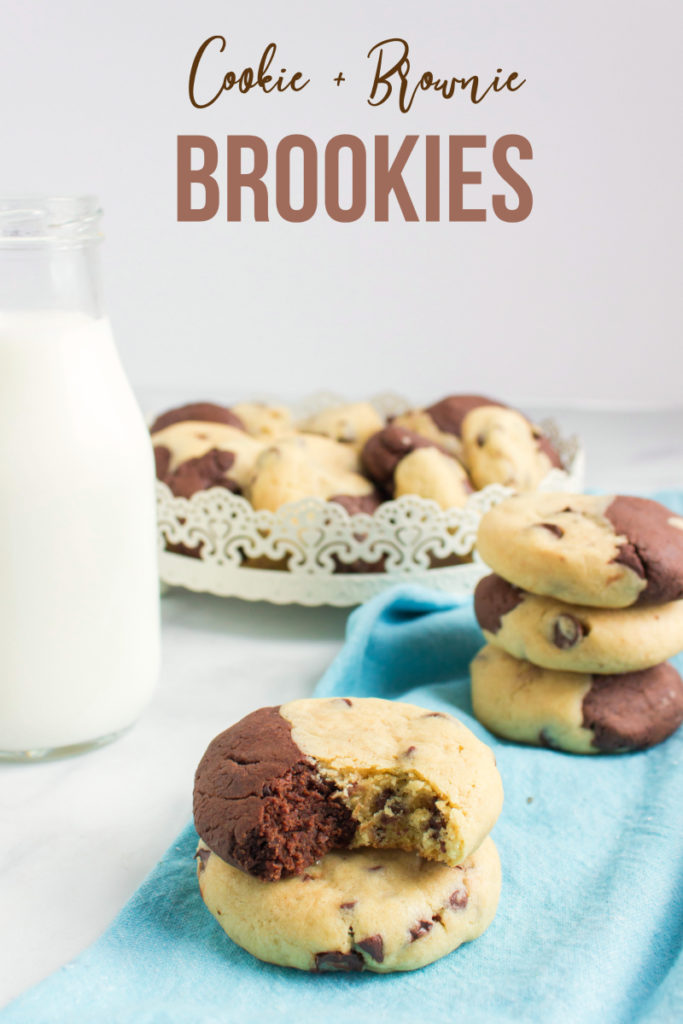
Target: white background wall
x=579, y=303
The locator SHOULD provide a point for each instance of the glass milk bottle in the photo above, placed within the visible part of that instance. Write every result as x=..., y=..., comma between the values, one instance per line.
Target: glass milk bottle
x=79, y=606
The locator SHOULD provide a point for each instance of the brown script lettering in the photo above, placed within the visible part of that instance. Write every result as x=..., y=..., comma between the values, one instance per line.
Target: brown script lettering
x=395, y=76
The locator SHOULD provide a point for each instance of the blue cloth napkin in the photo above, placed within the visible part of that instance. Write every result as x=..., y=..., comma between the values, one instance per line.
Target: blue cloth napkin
x=590, y=923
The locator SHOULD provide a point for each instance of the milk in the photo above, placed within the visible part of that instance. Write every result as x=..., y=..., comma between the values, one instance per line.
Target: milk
x=79, y=628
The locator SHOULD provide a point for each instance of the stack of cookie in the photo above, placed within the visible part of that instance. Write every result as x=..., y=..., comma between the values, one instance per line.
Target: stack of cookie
x=343, y=835
x=583, y=610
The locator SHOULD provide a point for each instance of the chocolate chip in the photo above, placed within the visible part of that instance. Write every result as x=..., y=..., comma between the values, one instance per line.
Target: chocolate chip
x=335, y=960
x=481, y=440
x=437, y=919
x=409, y=752
x=436, y=821
x=435, y=714
x=347, y=701
x=377, y=867
x=202, y=855
x=220, y=914
x=568, y=631
x=420, y=929
x=552, y=528
x=373, y=946
x=348, y=906
x=382, y=799
x=458, y=899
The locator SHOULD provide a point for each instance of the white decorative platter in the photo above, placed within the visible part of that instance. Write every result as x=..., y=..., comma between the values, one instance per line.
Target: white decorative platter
x=306, y=546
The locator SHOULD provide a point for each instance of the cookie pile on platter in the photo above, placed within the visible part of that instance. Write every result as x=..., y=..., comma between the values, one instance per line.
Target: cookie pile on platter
x=584, y=607
x=348, y=834
x=349, y=454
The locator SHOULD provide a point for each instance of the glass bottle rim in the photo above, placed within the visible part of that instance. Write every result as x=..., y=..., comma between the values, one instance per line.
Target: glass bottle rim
x=49, y=220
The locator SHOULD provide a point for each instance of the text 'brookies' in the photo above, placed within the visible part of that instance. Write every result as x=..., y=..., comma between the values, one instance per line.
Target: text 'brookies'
x=297, y=180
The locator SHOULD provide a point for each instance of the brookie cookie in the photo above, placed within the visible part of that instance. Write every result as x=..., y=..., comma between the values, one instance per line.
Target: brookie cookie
x=376, y=910
x=578, y=638
x=198, y=412
x=430, y=473
x=603, y=551
x=192, y=456
x=442, y=422
x=574, y=711
x=313, y=467
x=496, y=444
x=349, y=424
x=288, y=784
x=501, y=446
x=402, y=462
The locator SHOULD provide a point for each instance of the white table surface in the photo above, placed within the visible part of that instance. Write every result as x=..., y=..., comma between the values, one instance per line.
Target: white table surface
x=79, y=835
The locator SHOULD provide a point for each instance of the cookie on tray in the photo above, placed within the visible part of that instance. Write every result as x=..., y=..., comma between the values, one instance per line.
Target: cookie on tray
x=198, y=412
x=350, y=424
x=573, y=711
x=501, y=446
x=599, y=550
x=577, y=638
x=288, y=784
x=442, y=421
x=402, y=462
x=354, y=910
x=495, y=443
x=430, y=473
x=307, y=467
x=193, y=455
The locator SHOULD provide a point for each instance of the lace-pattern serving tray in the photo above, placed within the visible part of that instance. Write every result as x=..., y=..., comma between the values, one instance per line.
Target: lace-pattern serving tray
x=299, y=554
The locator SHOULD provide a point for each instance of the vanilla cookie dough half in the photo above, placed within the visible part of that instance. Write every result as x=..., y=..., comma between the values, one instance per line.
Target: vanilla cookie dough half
x=355, y=910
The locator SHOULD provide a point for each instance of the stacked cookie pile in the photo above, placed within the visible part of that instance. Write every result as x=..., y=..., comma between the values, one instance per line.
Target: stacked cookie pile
x=343, y=835
x=585, y=606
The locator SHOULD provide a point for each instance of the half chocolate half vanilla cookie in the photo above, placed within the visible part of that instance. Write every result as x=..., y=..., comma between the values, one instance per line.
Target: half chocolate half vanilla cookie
x=602, y=550
x=286, y=785
x=578, y=638
x=579, y=712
